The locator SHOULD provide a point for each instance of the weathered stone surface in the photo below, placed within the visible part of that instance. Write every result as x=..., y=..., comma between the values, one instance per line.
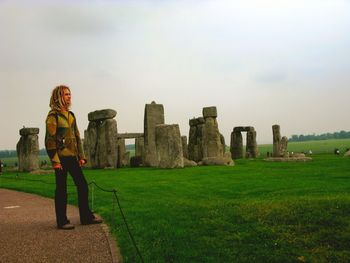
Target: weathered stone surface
x=192, y=141
x=154, y=115
x=236, y=146
x=298, y=155
x=139, y=147
x=224, y=160
x=210, y=112
x=211, y=141
x=28, y=131
x=279, y=144
x=129, y=135
x=189, y=163
x=222, y=139
x=184, y=146
x=276, y=140
x=195, y=142
x=228, y=159
x=193, y=122
x=205, y=139
x=169, y=146
x=101, y=115
x=101, y=144
x=284, y=146
x=243, y=129
x=123, y=156
x=252, y=147
x=28, y=150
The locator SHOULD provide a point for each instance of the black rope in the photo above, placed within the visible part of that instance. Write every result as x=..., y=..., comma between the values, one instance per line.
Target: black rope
x=102, y=189
x=123, y=216
x=127, y=226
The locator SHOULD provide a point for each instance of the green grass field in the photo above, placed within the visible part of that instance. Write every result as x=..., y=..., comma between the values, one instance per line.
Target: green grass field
x=255, y=211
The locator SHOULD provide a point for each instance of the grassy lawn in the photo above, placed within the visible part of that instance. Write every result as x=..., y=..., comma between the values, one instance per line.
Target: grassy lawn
x=256, y=211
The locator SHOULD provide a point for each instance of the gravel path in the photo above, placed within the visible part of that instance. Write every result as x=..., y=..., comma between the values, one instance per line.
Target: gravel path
x=29, y=234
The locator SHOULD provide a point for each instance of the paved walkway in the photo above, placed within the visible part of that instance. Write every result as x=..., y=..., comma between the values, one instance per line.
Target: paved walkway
x=29, y=234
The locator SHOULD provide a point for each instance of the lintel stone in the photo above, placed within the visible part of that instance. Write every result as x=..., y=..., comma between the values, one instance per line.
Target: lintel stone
x=100, y=115
x=210, y=112
x=243, y=129
x=28, y=131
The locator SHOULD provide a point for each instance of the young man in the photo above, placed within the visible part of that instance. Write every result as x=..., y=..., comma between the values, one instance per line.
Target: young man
x=65, y=150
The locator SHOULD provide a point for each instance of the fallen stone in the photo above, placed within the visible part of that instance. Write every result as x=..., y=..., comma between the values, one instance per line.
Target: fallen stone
x=189, y=163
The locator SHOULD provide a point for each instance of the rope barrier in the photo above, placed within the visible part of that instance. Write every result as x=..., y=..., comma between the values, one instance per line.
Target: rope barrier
x=92, y=183
x=123, y=216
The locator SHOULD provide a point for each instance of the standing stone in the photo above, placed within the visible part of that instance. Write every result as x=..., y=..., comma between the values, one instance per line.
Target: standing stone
x=284, y=147
x=169, y=146
x=276, y=140
x=251, y=148
x=28, y=150
x=192, y=140
x=184, y=146
x=195, y=142
x=139, y=147
x=279, y=145
x=154, y=115
x=200, y=131
x=222, y=139
x=123, y=155
x=101, y=139
x=211, y=140
x=236, y=146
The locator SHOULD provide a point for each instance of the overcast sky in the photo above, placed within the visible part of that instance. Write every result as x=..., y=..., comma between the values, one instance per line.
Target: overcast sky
x=259, y=62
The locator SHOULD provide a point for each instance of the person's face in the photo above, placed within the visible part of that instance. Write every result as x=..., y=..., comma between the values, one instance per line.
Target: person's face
x=67, y=97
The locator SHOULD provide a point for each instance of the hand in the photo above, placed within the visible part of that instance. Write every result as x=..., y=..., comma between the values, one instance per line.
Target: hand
x=57, y=166
x=82, y=162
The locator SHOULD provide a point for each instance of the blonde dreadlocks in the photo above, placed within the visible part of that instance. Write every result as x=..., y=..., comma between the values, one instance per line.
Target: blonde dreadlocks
x=56, y=101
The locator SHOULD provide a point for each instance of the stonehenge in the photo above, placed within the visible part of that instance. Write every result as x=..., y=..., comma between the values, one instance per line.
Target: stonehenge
x=160, y=145
x=28, y=150
x=154, y=115
x=279, y=144
x=206, y=145
x=184, y=146
x=169, y=146
x=124, y=156
x=100, y=142
x=236, y=146
x=280, y=149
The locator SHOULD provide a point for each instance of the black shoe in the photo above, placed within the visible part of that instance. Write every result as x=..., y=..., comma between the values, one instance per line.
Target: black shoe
x=93, y=221
x=66, y=227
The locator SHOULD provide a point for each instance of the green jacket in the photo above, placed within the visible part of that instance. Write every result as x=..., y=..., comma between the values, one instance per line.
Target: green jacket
x=62, y=138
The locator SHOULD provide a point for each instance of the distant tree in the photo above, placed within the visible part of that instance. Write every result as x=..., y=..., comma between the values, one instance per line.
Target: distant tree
x=323, y=136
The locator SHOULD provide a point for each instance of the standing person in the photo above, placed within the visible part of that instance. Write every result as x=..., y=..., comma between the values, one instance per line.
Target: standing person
x=64, y=148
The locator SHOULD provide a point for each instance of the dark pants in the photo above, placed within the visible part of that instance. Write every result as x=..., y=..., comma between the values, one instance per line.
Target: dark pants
x=70, y=165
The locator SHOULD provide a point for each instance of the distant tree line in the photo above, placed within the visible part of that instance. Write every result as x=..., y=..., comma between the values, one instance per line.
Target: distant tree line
x=13, y=153
x=323, y=136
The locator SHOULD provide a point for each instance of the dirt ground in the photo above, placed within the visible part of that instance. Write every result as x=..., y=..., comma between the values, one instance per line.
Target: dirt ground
x=29, y=234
